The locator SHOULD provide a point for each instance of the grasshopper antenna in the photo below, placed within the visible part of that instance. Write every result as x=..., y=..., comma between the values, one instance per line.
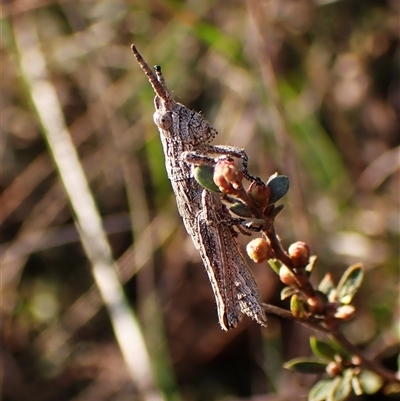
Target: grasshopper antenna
x=157, y=82
x=159, y=75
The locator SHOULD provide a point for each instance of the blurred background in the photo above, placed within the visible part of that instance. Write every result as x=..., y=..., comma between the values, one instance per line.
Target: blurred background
x=309, y=88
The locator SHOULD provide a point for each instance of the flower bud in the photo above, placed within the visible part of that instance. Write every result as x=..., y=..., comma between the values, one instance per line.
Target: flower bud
x=299, y=253
x=227, y=176
x=317, y=304
x=260, y=193
x=259, y=250
x=287, y=276
x=345, y=312
x=334, y=368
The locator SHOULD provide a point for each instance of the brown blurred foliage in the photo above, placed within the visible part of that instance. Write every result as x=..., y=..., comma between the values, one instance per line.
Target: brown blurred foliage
x=337, y=76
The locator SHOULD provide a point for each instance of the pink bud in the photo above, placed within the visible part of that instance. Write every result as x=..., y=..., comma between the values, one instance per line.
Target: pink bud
x=287, y=276
x=334, y=368
x=260, y=193
x=299, y=253
x=227, y=176
x=259, y=250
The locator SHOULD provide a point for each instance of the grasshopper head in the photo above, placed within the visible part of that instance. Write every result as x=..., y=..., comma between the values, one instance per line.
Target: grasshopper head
x=174, y=120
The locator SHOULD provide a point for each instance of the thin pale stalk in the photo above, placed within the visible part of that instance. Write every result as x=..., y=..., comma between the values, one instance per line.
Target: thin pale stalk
x=87, y=218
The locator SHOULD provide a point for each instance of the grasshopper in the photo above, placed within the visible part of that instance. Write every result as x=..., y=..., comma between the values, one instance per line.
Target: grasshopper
x=205, y=216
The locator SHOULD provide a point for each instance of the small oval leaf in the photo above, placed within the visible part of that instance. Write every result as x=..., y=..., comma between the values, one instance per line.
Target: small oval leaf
x=305, y=365
x=340, y=351
x=341, y=389
x=288, y=292
x=204, y=174
x=276, y=210
x=350, y=283
x=370, y=381
x=309, y=268
x=326, y=285
x=320, y=391
x=356, y=385
x=279, y=186
x=275, y=264
x=297, y=307
x=322, y=349
x=240, y=209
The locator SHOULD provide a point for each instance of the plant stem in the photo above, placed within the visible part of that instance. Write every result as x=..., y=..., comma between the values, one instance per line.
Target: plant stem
x=386, y=374
x=340, y=338
x=302, y=280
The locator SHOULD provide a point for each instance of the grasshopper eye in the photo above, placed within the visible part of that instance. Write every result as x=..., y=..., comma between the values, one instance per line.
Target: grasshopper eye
x=163, y=120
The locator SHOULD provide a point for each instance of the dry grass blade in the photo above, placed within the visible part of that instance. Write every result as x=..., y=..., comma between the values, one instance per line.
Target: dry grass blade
x=126, y=328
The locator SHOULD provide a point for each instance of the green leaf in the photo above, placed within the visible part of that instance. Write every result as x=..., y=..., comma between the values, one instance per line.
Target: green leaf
x=204, y=176
x=297, y=307
x=240, y=209
x=279, y=186
x=309, y=268
x=350, y=283
x=356, y=384
x=276, y=211
x=326, y=285
x=306, y=365
x=370, y=381
x=341, y=388
x=275, y=264
x=321, y=390
x=346, y=356
x=288, y=292
x=322, y=349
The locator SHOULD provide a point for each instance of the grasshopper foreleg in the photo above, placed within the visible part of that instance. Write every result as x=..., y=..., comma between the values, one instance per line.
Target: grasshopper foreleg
x=203, y=157
x=234, y=152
